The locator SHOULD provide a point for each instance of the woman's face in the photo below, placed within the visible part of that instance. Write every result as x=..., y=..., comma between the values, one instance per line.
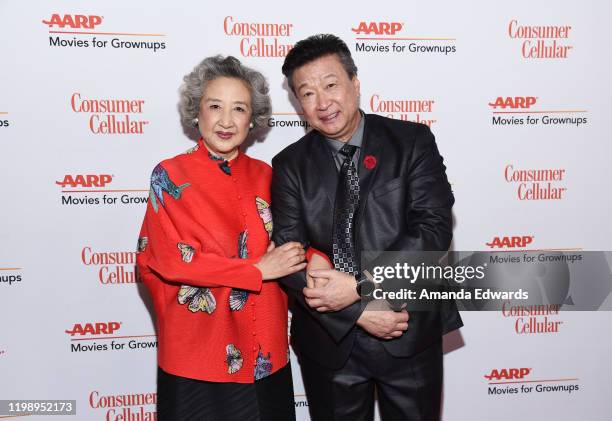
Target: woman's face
x=225, y=115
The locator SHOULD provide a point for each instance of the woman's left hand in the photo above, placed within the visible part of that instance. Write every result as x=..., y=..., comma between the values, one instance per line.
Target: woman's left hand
x=281, y=261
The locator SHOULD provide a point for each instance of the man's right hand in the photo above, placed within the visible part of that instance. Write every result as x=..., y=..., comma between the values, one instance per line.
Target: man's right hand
x=316, y=262
x=378, y=320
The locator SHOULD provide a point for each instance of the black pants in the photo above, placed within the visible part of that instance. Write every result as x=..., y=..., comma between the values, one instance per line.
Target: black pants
x=268, y=399
x=408, y=389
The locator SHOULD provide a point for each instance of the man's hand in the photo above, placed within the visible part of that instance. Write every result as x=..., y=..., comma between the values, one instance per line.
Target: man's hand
x=378, y=320
x=316, y=262
x=339, y=290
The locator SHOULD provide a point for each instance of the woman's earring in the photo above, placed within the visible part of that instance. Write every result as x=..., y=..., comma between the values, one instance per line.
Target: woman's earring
x=195, y=122
x=251, y=126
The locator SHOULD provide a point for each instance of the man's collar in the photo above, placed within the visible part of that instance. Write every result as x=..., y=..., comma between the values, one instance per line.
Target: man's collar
x=355, y=140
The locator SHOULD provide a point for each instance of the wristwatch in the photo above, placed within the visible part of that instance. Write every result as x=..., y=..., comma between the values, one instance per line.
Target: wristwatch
x=365, y=287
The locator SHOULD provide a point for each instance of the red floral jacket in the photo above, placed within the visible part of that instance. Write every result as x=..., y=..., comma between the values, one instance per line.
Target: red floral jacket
x=207, y=222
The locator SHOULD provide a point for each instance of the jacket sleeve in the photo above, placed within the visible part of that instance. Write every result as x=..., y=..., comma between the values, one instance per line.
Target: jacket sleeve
x=289, y=226
x=428, y=218
x=429, y=215
x=175, y=254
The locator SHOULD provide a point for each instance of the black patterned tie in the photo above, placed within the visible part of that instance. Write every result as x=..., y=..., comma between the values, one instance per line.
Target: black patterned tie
x=345, y=208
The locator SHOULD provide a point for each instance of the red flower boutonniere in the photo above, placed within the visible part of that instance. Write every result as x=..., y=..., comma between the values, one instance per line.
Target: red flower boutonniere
x=369, y=162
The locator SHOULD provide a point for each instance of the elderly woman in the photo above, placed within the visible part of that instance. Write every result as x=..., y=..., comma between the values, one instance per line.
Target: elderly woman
x=205, y=256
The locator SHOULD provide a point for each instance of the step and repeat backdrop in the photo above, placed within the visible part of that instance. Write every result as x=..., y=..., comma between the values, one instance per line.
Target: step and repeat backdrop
x=509, y=89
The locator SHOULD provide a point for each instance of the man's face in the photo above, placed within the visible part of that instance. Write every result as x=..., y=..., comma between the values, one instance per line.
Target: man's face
x=329, y=98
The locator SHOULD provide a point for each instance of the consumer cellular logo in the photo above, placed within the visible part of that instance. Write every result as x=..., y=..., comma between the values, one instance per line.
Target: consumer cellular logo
x=419, y=110
x=541, y=41
x=112, y=267
x=125, y=406
x=537, y=184
x=533, y=319
x=260, y=39
x=111, y=116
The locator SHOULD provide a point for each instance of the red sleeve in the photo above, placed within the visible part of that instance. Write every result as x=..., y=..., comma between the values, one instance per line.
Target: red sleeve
x=163, y=251
x=312, y=250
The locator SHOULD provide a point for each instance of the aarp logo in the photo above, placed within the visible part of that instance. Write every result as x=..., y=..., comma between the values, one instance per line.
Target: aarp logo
x=73, y=21
x=85, y=180
x=513, y=102
x=99, y=328
x=511, y=242
x=378, y=28
x=508, y=374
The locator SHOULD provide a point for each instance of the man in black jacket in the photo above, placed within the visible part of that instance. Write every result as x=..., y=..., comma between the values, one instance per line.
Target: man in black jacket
x=359, y=182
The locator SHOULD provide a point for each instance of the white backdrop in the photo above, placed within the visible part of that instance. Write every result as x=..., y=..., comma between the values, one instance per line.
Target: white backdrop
x=75, y=325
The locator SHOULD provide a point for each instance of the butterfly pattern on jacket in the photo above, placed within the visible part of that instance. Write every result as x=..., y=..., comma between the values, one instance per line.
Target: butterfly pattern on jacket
x=263, y=365
x=142, y=244
x=160, y=183
x=233, y=358
x=192, y=149
x=238, y=297
x=263, y=209
x=198, y=298
x=187, y=252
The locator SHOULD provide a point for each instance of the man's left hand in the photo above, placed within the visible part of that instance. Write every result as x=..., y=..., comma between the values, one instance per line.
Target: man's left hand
x=339, y=291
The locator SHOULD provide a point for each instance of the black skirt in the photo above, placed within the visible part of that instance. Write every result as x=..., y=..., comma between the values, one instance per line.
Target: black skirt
x=183, y=399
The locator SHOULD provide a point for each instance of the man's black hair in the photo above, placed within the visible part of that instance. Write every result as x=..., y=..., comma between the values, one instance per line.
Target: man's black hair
x=314, y=47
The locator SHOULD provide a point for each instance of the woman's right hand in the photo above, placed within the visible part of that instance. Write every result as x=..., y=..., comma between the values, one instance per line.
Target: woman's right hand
x=281, y=261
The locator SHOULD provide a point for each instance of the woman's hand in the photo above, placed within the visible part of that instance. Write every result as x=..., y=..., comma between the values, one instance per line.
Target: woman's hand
x=281, y=261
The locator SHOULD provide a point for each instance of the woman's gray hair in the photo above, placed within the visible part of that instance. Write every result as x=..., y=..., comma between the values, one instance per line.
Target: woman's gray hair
x=218, y=66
